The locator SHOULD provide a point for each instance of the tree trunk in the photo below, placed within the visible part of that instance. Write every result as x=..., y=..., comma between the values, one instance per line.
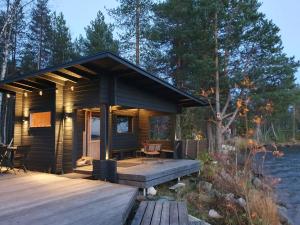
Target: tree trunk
x=137, y=33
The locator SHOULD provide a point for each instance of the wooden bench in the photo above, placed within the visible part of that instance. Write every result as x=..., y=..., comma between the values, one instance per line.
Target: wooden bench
x=161, y=213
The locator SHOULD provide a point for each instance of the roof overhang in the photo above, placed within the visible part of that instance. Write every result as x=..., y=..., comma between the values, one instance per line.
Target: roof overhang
x=92, y=67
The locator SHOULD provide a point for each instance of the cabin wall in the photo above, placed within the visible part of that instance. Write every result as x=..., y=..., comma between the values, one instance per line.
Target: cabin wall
x=137, y=97
x=144, y=129
x=18, y=119
x=125, y=141
x=84, y=95
x=41, y=140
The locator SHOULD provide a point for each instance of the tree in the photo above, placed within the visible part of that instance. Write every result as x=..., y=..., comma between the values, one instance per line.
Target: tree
x=99, y=37
x=225, y=50
x=61, y=46
x=133, y=17
x=38, y=42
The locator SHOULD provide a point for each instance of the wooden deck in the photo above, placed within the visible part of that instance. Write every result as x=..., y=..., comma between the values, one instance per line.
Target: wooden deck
x=42, y=199
x=161, y=213
x=145, y=173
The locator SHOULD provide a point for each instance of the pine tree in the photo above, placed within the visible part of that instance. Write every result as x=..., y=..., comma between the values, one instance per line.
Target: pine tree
x=99, y=37
x=61, y=46
x=133, y=17
x=38, y=43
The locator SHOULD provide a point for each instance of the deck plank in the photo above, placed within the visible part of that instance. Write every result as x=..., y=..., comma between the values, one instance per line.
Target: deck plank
x=148, y=213
x=140, y=213
x=44, y=199
x=174, y=213
x=183, y=213
x=165, y=214
x=157, y=213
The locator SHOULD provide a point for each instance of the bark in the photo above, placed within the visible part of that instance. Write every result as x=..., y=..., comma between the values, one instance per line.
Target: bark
x=137, y=32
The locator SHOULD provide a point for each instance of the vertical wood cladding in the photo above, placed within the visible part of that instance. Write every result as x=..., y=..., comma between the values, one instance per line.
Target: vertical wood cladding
x=41, y=140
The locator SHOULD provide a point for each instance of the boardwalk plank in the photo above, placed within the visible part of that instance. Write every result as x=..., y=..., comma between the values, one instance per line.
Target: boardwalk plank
x=157, y=213
x=174, y=213
x=165, y=214
x=148, y=213
x=183, y=213
x=140, y=213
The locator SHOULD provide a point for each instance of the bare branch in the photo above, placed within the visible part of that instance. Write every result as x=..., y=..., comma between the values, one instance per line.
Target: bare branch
x=226, y=104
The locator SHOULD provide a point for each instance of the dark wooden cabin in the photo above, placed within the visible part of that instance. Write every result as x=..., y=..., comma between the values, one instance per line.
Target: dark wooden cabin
x=78, y=109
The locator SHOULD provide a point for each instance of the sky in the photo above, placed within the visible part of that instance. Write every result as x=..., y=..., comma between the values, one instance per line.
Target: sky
x=284, y=14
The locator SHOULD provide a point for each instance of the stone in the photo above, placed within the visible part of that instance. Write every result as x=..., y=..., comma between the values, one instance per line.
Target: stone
x=257, y=183
x=283, y=217
x=195, y=221
x=242, y=202
x=177, y=186
x=151, y=191
x=206, y=186
x=230, y=197
x=214, y=214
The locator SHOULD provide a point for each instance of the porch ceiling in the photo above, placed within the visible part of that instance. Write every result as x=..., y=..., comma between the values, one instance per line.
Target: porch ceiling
x=90, y=68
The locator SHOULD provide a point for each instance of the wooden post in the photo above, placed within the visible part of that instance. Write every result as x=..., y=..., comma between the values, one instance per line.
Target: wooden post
x=104, y=124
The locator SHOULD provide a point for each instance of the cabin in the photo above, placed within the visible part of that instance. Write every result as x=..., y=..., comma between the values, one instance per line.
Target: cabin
x=102, y=107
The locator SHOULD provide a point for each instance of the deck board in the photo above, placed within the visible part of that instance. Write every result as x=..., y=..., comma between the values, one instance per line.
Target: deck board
x=44, y=199
x=145, y=173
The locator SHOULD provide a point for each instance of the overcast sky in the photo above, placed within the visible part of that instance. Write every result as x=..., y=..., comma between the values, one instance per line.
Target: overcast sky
x=79, y=13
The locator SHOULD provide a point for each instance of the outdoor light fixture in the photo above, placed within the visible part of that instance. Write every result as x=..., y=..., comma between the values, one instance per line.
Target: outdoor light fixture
x=41, y=93
x=8, y=95
x=25, y=119
x=72, y=88
x=56, y=91
x=25, y=94
x=68, y=115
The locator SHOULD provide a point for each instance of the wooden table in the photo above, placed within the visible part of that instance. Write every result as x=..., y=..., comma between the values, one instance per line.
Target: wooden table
x=161, y=213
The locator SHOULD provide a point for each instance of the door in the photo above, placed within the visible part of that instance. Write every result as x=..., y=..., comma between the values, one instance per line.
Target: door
x=93, y=134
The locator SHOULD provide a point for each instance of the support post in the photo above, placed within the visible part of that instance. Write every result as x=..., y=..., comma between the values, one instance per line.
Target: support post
x=104, y=124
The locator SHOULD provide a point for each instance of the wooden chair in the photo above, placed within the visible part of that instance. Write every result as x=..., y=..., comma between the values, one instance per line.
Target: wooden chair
x=152, y=149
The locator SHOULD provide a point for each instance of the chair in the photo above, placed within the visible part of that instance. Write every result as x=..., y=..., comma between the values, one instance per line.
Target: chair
x=21, y=156
x=152, y=149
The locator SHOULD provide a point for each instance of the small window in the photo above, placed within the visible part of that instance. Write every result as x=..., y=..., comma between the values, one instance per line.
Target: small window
x=124, y=124
x=95, y=129
x=40, y=119
x=160, y=127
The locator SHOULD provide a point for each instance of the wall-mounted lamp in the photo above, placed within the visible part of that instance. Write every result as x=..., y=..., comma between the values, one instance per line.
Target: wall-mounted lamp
x=56, y=91
x=7, y=95
x=68, y=116
x=25, y=94
x=72, y=88
x=25, y=119
x=41, y=93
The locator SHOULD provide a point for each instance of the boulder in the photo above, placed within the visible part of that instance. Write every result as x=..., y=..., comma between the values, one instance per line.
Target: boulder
x=151, y=191
x=206, y=186
x=177, y=186
x=257, y=183
x=242, y=202
x=214, y=214
x=283, y=217
x=195, y=221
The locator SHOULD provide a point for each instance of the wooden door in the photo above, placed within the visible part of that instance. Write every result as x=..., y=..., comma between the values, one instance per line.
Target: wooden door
x=92, y=134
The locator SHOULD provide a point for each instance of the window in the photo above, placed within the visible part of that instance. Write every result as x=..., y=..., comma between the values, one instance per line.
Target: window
x=159, y=127
x=40, y=119
x=124, y=124
x=95, y=127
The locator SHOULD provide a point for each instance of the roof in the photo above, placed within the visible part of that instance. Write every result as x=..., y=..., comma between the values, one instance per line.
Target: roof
x=93, y=66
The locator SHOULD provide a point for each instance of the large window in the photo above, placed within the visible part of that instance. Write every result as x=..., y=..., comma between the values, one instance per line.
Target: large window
x=124, y=124
x=40, y=119
x=159, y=127
x=95, y=126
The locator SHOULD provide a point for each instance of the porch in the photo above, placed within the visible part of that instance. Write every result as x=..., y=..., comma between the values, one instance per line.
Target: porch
x=148, y=172
x=42, y=199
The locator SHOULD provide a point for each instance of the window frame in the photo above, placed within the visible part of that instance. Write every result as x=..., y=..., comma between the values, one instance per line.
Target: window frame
x=130, y=125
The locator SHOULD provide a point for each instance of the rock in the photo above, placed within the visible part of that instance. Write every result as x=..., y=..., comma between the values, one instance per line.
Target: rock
x=195, y=221
x=177, y=186
x=215, y=193
x=214, y=214
x=230, y=197
x=257, y=183
x=151, y=191
x=242, y=202
x=283, y=217
x=167, y=198
x=206, y=186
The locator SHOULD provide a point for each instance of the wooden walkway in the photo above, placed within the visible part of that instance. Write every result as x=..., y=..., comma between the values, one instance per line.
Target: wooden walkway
x=161, y=213
x=145, y=173
x=45, y=199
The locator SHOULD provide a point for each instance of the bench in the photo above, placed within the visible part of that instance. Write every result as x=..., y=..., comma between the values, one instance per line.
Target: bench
x=161, y=213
